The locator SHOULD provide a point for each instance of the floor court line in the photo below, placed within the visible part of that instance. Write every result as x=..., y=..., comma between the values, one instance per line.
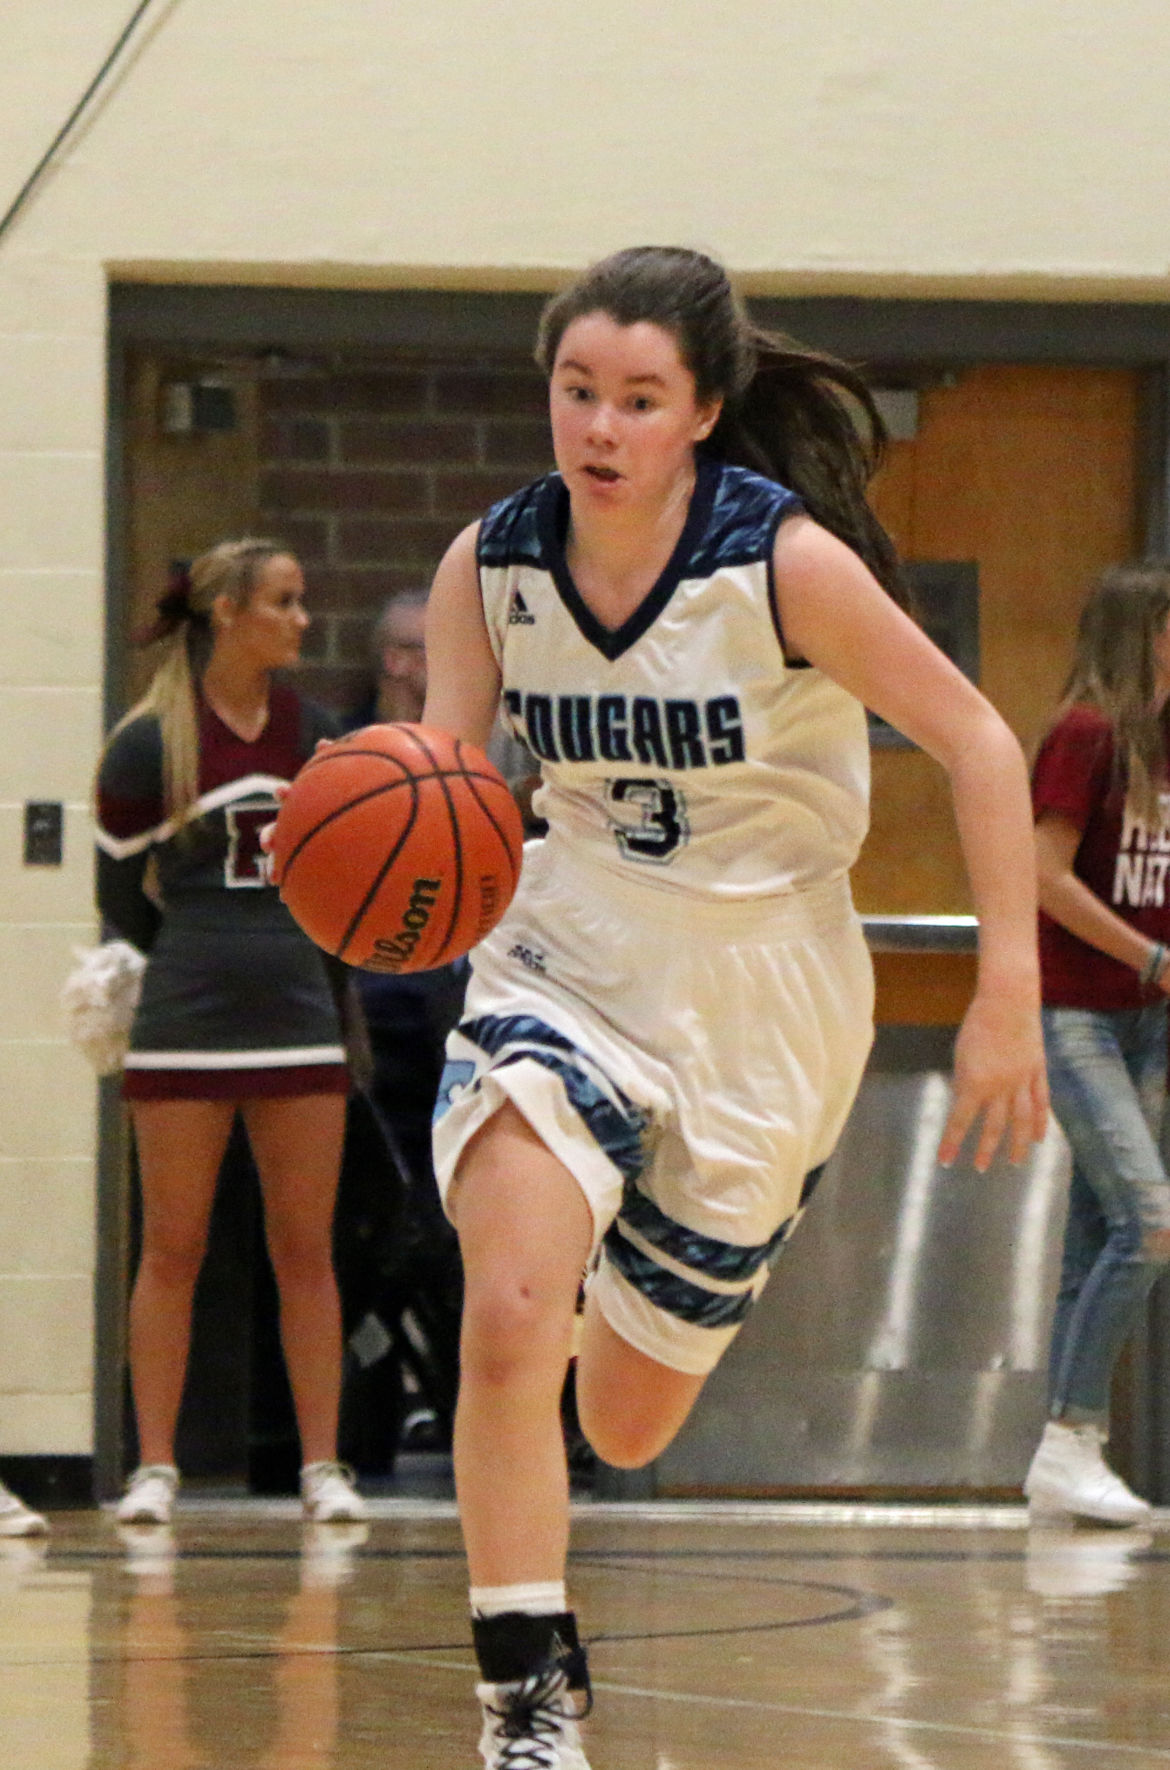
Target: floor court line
x=851, y=1717
x=970, y=1644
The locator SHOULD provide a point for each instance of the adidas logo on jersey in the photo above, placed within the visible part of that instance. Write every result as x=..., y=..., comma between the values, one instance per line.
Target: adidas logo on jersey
x=518, y=615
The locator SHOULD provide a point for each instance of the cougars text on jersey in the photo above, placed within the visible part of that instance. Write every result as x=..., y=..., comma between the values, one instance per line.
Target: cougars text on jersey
x=629, y=728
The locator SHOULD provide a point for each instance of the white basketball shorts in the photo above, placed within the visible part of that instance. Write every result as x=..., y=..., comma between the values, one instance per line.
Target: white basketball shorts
x=691, y=1064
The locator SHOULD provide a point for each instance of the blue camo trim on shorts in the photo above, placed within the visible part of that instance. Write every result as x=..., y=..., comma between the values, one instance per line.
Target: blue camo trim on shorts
x=677, y=1296
x=690, y=1247
x=707, y=1256
x=457, y=1072
x=616, y=1125
x=811, y=1181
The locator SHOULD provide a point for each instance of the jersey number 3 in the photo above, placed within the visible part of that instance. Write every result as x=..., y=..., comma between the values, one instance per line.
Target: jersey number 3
x=648, y=819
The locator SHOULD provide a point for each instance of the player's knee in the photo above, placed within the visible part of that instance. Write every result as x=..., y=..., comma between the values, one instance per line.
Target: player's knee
x=507, y=1328
x=623, y=1435
x=622, y=1443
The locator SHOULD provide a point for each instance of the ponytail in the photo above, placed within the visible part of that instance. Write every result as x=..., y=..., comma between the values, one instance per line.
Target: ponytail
x=810, y=421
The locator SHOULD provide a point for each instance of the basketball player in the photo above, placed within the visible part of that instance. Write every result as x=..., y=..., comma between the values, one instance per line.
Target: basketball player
x=237, y=1008
x=663, y=1037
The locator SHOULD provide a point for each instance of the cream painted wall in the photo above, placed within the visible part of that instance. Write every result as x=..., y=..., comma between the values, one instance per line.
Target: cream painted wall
x=969, y=149
x=925, y=141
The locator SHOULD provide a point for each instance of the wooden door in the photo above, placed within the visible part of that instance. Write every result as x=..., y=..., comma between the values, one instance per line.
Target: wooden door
x=1030, y=472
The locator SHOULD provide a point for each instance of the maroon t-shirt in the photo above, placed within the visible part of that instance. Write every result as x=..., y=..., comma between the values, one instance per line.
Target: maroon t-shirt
x=1121, y=860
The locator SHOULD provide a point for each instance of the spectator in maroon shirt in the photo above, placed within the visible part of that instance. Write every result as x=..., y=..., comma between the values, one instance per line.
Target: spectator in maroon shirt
x=1101, y=795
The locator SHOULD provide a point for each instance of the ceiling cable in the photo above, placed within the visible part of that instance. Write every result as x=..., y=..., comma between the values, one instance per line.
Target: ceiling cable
x=74, y=117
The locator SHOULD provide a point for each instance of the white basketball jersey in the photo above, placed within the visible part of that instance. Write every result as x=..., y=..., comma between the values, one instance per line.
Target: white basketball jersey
x=681, y=748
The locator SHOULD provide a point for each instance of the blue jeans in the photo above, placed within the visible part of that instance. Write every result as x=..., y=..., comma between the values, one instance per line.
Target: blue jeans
x=1107, y=1074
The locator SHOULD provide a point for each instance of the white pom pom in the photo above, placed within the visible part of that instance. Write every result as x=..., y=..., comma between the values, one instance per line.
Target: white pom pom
x=99, y=998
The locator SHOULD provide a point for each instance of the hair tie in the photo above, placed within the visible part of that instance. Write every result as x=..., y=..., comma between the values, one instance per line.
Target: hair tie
x=173, y=607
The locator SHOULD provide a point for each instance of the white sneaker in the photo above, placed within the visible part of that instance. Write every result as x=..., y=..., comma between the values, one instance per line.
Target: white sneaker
x=531, y=1725
x=17, y=1519
x=328, y=1495
x=150, y=1495
x=1069, y=1477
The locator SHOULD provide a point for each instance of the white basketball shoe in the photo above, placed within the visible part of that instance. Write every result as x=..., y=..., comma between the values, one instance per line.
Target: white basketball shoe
x=531, y=1724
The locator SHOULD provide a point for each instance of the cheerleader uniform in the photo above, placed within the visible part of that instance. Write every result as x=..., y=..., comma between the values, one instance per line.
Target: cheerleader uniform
x=236, y=1001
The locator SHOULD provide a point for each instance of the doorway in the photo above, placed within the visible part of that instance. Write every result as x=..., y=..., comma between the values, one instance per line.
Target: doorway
x=366, y=428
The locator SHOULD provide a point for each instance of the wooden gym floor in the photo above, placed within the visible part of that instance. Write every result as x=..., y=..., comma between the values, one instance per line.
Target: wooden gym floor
x=726, y=1637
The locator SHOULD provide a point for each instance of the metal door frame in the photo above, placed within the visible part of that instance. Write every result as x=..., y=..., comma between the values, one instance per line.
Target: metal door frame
x=885, y=333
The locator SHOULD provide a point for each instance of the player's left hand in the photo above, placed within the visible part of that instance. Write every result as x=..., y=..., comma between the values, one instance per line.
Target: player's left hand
x=1000, y=1081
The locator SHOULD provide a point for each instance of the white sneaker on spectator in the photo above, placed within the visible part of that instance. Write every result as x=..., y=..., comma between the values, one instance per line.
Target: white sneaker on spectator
x=17, y=1519
x=1069, y=1478
x=150, y=1495
x=328, y=1495
x=531, y=1725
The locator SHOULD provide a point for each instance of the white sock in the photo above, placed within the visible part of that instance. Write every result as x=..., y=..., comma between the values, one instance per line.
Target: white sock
x=547, y=1599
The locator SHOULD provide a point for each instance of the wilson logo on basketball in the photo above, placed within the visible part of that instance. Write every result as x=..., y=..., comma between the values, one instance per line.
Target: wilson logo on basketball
x=383, y=840
x=392, y=955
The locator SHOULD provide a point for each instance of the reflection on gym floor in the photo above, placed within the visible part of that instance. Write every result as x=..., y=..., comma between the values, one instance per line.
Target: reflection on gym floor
x=761, y=1637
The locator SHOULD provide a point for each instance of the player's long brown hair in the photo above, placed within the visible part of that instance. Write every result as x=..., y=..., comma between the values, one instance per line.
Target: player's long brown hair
x=1114, y=669
x=795, y=415
x=184, y=636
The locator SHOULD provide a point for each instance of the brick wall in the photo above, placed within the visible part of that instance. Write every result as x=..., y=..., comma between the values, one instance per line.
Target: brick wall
x=371, y=464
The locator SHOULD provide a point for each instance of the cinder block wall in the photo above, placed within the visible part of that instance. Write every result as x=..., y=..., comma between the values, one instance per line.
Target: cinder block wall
x=52, y=416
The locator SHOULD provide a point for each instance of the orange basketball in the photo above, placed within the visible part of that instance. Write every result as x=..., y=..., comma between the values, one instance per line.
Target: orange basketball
x=397, y=848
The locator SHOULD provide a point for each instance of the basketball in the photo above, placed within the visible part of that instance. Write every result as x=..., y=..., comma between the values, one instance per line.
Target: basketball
x=397, y=848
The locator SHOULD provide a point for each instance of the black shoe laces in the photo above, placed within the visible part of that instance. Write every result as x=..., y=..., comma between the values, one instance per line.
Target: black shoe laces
x=531, y=1722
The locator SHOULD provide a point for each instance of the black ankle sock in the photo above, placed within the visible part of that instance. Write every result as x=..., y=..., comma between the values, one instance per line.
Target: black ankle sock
x=572, y=1657
x=514, y=1646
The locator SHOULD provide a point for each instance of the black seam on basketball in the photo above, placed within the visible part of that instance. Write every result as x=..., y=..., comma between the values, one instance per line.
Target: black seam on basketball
x=360, y=912
x=405, y=780
x=339, y=753
x=348, y=746
x=437, y=772
x=513, y=870
x=443, y=776
x=343, y=752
